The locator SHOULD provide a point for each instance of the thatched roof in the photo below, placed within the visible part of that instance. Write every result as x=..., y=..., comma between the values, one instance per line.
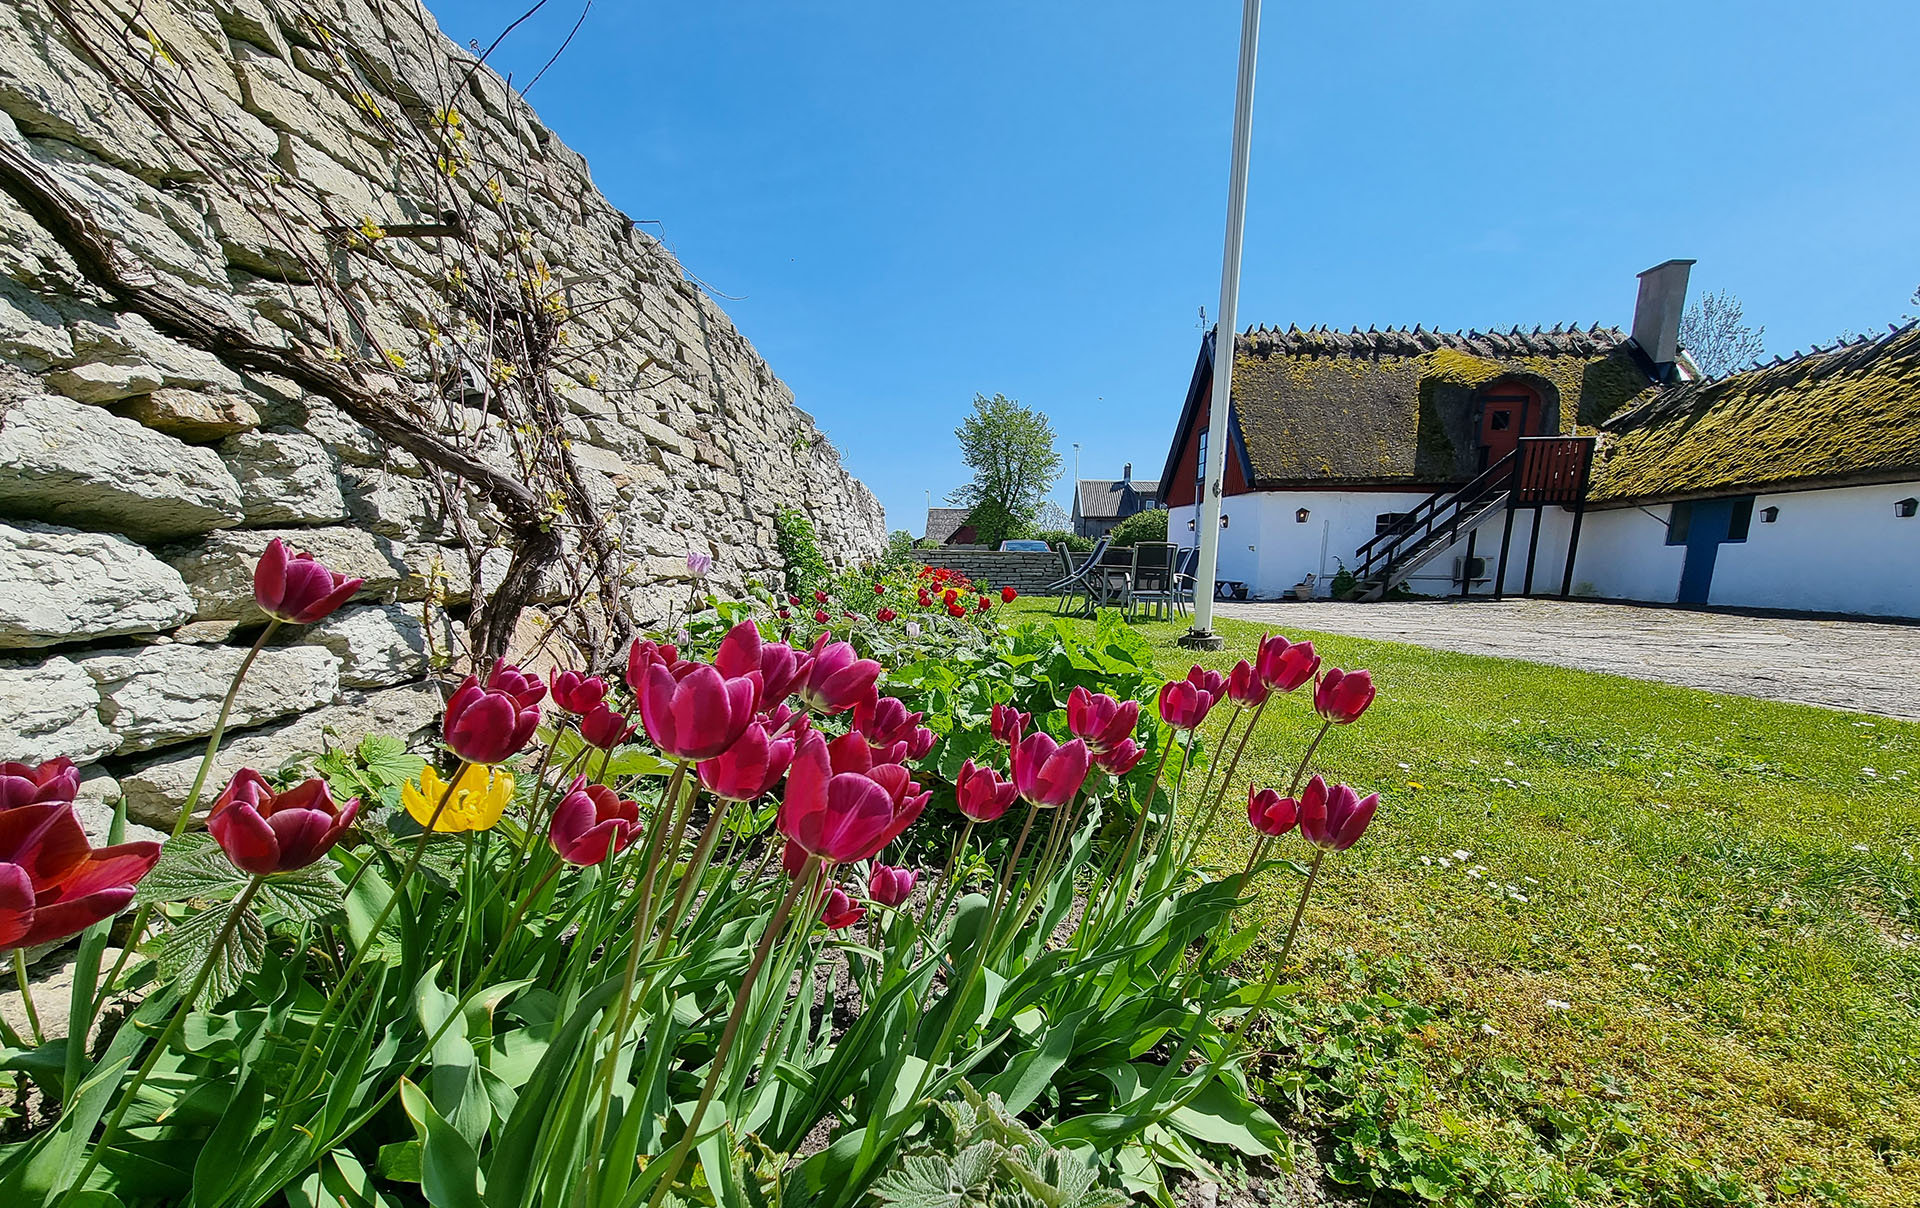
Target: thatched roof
x=1832, y=417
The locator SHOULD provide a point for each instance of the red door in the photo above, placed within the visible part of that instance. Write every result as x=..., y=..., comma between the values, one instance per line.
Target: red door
x=1507, y=414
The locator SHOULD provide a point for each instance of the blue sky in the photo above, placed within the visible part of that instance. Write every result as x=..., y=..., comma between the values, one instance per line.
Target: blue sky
x=904, y=204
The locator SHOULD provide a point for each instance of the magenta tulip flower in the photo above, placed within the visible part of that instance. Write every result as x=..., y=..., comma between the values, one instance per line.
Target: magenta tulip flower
x=1008, y=725
x=31, y=784
x=980, y=794
x=1342, y=696
x=782, y=668
x=918, y=744
x=591, y=822
x=750, y=767
x=840, y=912
x=839, y=678
x=739, y=651
x=1270, y=813
x=578, y=694
x=884, y=721
x=840, y=817
x=297, y=589
x=1285, y=665
x=265, y=832
x=1103, y=722
x=1333, y=819
x=53, y=883
x=1047, y=773
x=699, y=716
x=891, y=886
x=491, y=724
x=1184, y=706
x=645, y=653
x=1245, y=687
x=1210, y=682
x=605, y=729
x=1121, y=759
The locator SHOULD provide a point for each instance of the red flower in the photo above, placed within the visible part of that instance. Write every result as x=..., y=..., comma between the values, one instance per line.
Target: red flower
x=785, y=614
x=820, y=616
x=699, y=716
x=647, y=653
x=491, y=724
x=879, y=589
x=926, y=598
x=750, y=767
x=839, y=912
x=52, y=883
x=739, y=652
x=1100, y=719
x=27, y=784
x=782, y=668
x=1342, y=696
x=1182, y=705
x=591, y=822
x=1334, y=819
x=985, y=603
x=841, y=817
x=980, y=794
x=885, y=615
x=1210, y=682
x=265, y=832
x=1008, y=595
x=297, y=589
x=884, y=720
x=838, y=678
x=1271, y=814
x=1285, y=665
x=890, y=886
x=954, y=610
x=1046, y=773
x=794, y=600
x=819, y=597
x=1008, y=724
x=1244, y=687
x=577, y=693
x=604, y=728
x=1121, y=759
x=949, y=596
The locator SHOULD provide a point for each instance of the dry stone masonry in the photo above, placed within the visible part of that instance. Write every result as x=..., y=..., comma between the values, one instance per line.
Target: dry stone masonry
x=140, y=478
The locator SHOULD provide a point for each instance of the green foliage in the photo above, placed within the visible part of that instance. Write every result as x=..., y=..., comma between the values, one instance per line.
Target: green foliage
x=1059, y=537
x=898, y=553
x=373, y=770
x=988, y=1157
x=1150, y=525
x=799, y=550
x=1009, y=448
x=992, y=522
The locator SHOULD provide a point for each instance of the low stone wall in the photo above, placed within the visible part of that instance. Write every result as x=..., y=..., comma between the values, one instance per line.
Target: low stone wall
x=1026, y=573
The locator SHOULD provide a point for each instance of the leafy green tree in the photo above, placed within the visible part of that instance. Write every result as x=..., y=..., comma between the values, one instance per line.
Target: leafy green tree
x=1009, y=448
x=1150, y=525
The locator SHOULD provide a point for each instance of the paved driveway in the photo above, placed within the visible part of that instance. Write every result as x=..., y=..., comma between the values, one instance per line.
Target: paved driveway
x=1869, y=666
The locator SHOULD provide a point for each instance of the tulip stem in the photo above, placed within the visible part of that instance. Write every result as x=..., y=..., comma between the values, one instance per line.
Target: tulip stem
x=1293, y=929
x=947, y=887
x=1110, y=869
x=1226, y=732
x=239, y=907
x=1300, y=772
x=1013, y=859
x=26, y=995
x=696, y=869
x=1199, y=828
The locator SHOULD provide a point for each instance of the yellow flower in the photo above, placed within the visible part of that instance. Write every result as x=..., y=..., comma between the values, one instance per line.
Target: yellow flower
x=480, y=796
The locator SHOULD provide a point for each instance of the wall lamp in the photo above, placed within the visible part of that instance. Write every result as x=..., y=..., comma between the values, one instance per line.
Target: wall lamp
x=1905, y=508
x=1300, y=517
x=1769, y=515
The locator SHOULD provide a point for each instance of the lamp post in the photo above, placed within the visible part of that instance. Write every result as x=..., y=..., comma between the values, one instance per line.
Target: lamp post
x=1201, y=636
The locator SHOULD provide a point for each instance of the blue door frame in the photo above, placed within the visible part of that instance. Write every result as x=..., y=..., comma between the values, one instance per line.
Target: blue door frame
x=1709, y=525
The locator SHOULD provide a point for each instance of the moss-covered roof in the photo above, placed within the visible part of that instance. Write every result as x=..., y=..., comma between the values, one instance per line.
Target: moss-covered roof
x=1846, y=414
x=1324, y=407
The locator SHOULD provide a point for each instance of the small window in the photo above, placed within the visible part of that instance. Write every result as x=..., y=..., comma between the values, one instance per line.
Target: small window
x=1385, y=521
x=1741, y=520
x=1501, y=420
x=1678, y=523
x=1200, y=470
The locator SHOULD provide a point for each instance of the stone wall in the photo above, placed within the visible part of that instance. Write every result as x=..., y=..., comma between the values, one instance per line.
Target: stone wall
x=140, y=476
x=1027, y=573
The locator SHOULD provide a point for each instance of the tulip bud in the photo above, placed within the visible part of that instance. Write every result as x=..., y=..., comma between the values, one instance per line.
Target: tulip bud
x=1244, y=687
x=1008, y=724
x=1099, y=719
x=266, y=832
x=31, y=784
x=699, y=716
x=298, y=590
x=1008, y=595
x=891, y=886
x=490, y=724
x=576, y=693
x=1342, y=696
x=592, y=822
x=1184, y=706
x=1048, y=774
x=885, y=615
x=980, y=794
x=1210, y=682
x=645, y=653
x=838, y=678
x=605, y=729
x=839, y=911
x=1334, y=819
x=1285, y=665
x=1121, y=759
x=1270, y=813
x=750, y=767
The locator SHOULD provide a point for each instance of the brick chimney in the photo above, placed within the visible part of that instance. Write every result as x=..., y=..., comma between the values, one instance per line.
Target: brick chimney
x=1656, y=314
x=1126, y=473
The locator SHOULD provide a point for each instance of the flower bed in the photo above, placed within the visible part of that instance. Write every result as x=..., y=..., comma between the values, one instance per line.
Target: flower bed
x=578, y=956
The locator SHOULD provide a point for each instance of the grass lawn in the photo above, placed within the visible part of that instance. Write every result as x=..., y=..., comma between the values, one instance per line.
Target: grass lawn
x=1660, y=945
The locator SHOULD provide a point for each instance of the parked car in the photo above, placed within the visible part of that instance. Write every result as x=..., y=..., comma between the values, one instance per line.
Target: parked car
x=1024, y=545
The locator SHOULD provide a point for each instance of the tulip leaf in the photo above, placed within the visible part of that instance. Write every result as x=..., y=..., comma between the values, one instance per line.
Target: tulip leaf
x=190, y=867
x=449, y=1171
x=192, y=944
x=306, y=894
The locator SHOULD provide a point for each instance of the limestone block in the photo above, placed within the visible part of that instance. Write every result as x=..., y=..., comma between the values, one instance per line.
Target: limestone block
x=61, y=585
x=62, y=459
x=50, y=709
x=94, y=804
x=156, y=696
x=155, y=790
x=218, y=570
x=32, y=334
x=192, y=415
x=394, y=505
x=285, y=478
x=382, y=645
x=126, y=338
x=152, y=227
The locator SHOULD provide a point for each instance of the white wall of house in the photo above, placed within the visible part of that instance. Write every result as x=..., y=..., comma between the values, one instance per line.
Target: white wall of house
x=1841, y=550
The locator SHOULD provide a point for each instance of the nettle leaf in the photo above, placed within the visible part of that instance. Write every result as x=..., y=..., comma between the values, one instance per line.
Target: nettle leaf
x=934, y=1181
x=305, y=895
x=387, y=759
x=190, y=945
x=192, y=866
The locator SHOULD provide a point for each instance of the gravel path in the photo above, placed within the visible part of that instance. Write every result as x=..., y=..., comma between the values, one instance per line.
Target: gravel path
x=1869, y=666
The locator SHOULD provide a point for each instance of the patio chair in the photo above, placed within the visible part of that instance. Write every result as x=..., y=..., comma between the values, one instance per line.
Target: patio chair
x=1150, y=585
x=1112, y=580
x=1075, y=584
x=1183, y=579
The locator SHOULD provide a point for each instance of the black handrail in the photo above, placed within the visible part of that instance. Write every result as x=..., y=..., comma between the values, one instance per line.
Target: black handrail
x=1426, y=517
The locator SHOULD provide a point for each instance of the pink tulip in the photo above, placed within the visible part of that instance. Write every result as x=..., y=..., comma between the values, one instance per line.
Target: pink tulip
x=1210, y=682
x=1047, y=773
x=841, y=817
x=919, y=744
x=699, y=564
x=1009, y=724
x=297, y=589
x=891, y=886
x=1334, y=819
x=793, y=858
x=491, y=724
x=605, y=729
x=591, y=822
x=839, y=678
x=1285, y=665
x=266, y=832
x=839, y=912
x=576, y=693
x=750, y=767
x=30, y=784
x=1244, y=687
x=52, y=882
x=884, y=721
x=1100, y=719
x=1270, y=813
x=1342, y=696
x=1121, y=759
x=648, y=653
x=782, y=668
x=739, y=651
x=699, y=716
x=980, y=794
x=1184, y=706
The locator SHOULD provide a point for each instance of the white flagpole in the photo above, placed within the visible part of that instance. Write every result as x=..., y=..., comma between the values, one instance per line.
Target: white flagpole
x=1202, y=634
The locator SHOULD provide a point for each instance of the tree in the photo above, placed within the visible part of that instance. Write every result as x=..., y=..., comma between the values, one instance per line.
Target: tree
x=1009, y=448
x=1150, y=525
x=1714, y=335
